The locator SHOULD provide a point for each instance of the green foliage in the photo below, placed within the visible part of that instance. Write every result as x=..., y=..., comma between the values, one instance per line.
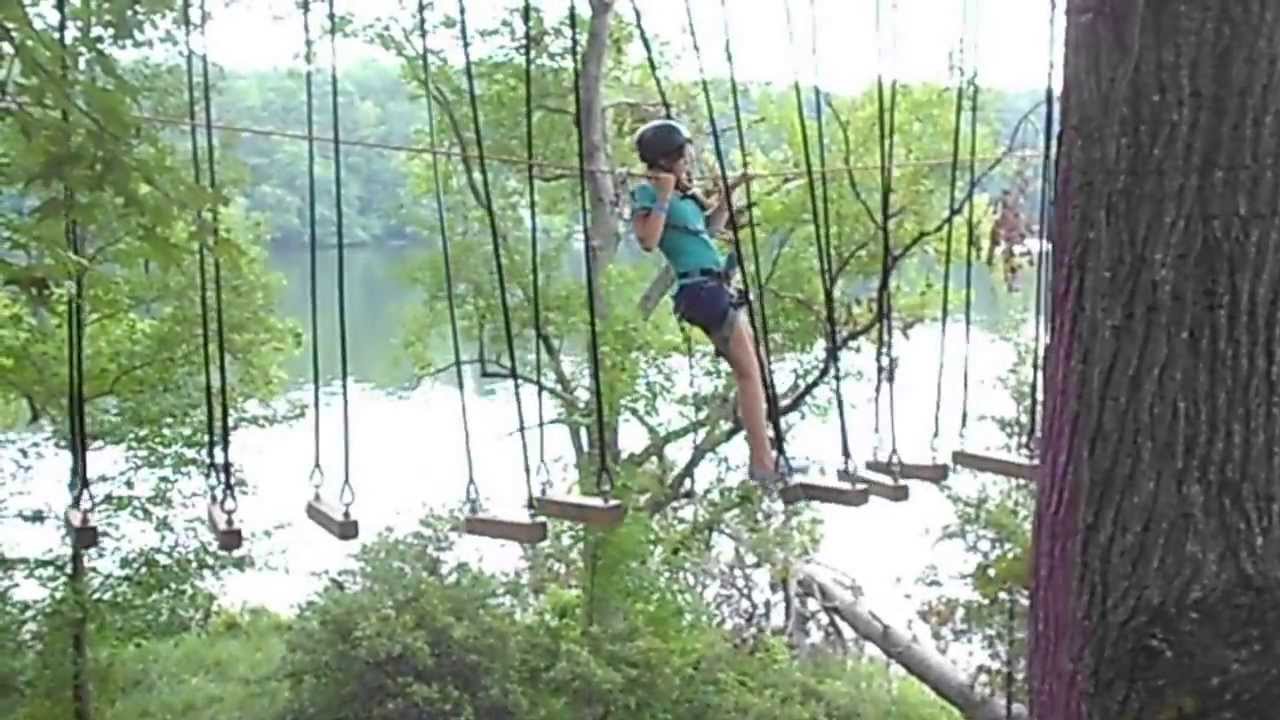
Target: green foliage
x=620, y=622
x=75, y=152
x=993, y=527
x=409, y=633
x=230, y=670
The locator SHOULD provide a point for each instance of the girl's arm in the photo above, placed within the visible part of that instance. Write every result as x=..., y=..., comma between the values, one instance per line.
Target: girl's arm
x=651, y=210
x=648, y=225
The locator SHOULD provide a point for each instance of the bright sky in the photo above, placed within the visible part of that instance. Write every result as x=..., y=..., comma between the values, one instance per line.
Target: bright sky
x=1011, y=36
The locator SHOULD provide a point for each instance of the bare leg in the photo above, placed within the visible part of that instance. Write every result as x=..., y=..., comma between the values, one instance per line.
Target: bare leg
x=751, y=399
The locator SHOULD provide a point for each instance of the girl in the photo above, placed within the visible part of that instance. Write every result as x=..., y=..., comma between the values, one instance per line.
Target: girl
x=668, y=215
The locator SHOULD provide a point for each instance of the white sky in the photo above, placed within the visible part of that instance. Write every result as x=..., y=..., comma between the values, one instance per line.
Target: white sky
x=1011, y=36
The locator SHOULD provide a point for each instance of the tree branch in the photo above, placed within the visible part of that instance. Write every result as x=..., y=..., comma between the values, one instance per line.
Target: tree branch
x=922, y=662
x=503, y=374
x=973, y=186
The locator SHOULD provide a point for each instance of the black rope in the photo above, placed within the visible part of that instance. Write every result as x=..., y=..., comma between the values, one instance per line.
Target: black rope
x=822, y=239
x=533, y=248
x=211, y=462
x=652, y=63
x=767, y=375
x=228, y=501
x=317, y=473
x=604, y=474
x=885, y=361
x=970, y=246
x=1008, y=657
x=472, y=491
x=493, y=233
x=649, y=57
x=762, y=337
x=347, y=495
x=77, y=441
x=957, y=122
x=826, y=274
x=1046, y=190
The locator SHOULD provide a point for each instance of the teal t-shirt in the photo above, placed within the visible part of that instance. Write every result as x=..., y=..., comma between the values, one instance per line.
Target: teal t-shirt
x=685, y=242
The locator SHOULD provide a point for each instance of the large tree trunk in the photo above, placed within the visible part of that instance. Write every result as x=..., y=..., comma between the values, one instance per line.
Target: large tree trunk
x=1157, y=533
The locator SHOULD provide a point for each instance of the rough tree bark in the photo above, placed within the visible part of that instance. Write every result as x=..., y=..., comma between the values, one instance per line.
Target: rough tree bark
x=1157, y=533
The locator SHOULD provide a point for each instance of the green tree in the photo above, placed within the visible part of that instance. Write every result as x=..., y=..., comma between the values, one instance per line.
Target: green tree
x=70, y=123
x=683, y=431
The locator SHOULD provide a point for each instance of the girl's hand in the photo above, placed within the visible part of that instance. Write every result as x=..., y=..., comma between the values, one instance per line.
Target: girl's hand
x=734, y=183
x=663, y=182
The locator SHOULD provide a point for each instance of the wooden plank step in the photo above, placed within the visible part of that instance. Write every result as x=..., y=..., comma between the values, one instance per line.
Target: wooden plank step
x=224, y=528
x=84, y=534
x=525, y=531
x=931, y=472
x=823, y=492
x=884, y=489
x=336, y=522
x=589, y=510
x=994, y=465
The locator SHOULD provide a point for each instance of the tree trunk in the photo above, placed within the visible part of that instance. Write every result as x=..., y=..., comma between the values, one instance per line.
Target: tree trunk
x=603, y=220
x=600, y=190
x=922, y=662
x=1157, y=532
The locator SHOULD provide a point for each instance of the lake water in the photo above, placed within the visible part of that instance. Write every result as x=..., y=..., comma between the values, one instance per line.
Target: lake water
x=406, y=454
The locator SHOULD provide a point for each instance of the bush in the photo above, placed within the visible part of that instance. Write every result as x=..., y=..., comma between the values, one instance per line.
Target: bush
x=409, y=635
x=230, y=670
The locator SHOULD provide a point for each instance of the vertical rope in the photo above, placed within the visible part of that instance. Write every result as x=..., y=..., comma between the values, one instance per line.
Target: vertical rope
x=533, y=247
x=1046, y=189
x=957, y=123
x=1008, y=659
x=971, y=232
x=347, y=494
x=212, y=473
x=764, y=353
x=649, y=57
x=472, y=490
x=604, y=476
x=317, y=473
x=722, y=166
x=826, y=274
x=228, y=500
x=886, y=362
x=77, y=440
x=493, y=234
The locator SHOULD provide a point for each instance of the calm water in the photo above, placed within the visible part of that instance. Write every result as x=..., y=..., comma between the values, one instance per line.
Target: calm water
x=406, y=449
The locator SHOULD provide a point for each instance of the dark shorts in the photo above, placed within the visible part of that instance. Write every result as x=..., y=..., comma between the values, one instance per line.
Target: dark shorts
x=710, y=306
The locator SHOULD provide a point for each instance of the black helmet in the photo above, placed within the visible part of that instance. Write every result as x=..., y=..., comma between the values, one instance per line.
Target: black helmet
x=660, y=140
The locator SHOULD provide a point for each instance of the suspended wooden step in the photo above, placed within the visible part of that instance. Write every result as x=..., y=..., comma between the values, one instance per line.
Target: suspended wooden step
x=589, y=510
x=224, y=528
x=884, y=489
x=841, y=493
x=909, y=471
x=525, y=531
x=994, y=465
x=84, y=534
x=337, y=523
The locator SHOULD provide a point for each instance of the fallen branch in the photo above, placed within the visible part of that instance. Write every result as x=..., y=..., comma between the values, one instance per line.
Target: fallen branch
x=922, y=662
